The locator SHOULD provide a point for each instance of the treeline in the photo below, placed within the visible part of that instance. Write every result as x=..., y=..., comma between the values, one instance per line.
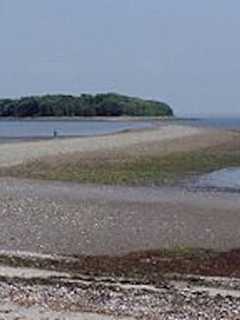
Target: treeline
x=85, y=105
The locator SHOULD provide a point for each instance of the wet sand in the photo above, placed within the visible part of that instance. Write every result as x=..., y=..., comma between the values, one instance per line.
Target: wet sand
x=73, y=219
x=67, y=218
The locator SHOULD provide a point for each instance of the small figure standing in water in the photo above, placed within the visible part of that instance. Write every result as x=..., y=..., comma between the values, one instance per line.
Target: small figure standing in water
x=55, y=133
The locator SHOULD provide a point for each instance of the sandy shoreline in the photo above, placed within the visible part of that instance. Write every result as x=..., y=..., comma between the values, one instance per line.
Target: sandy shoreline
x=54, y=203
x=73, y=220
x=16, y=153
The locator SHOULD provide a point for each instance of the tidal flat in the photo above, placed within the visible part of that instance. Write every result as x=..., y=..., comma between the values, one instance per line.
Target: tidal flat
x=119, y=207
x=163, y=155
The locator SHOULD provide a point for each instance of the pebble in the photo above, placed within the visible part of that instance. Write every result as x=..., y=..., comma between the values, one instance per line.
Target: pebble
x=170, y=304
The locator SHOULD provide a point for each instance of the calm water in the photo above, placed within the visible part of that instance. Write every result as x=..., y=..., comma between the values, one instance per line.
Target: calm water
x=29, y=129
x=34, y=128
x=226, y=178
x=224, y=123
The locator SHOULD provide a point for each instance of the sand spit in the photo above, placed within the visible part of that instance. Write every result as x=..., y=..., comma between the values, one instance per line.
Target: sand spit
x=17, y=153
x=73, y=219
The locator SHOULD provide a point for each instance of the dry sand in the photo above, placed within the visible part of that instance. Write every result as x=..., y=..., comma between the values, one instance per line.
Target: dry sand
x=164, y=139
x=17, y=153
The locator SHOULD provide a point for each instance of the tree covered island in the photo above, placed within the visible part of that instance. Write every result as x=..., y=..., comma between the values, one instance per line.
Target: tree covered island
x=85, y=105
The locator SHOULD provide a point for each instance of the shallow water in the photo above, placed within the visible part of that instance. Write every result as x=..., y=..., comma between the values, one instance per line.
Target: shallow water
x=29, y=129
x=229, y=123
x=225, y=178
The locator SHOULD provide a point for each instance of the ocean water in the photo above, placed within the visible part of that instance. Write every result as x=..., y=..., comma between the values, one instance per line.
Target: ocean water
x=228, y=178
x=232, y=123
x=45, y=129
x=41, y=129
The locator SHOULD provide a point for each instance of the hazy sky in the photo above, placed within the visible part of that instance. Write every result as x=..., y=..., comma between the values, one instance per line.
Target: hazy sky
x=185, y=52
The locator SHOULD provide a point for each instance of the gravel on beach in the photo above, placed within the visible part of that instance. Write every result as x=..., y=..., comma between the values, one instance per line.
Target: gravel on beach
x=23, y=300
x=68, y=218
x=75, y=219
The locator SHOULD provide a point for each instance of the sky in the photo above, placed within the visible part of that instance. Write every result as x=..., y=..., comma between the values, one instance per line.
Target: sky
x=186, y=53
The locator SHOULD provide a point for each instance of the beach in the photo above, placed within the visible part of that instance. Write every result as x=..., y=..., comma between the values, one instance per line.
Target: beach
x=113, y=229
x=71, y=219
x=19, y=152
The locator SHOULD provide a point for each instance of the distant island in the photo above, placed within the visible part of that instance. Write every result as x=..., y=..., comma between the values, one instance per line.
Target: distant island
x=85, y=105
